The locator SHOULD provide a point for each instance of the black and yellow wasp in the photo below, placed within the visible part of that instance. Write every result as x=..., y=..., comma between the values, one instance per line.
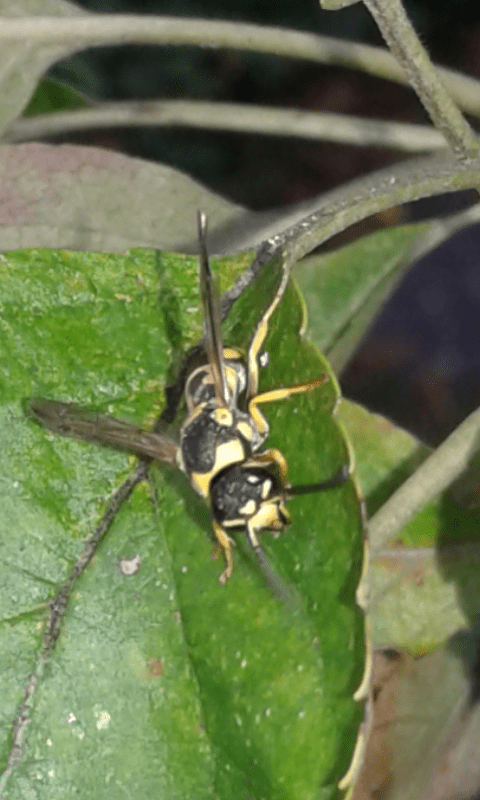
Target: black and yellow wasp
x=221, y=439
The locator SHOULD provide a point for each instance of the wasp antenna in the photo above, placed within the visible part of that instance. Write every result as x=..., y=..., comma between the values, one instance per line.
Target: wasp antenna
x=202, y=234
x=341, y=476
x=281, y=590
x=211, y=316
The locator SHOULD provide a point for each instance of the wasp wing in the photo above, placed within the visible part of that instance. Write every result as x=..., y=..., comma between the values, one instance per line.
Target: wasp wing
x=211, y=316
x=69, y=419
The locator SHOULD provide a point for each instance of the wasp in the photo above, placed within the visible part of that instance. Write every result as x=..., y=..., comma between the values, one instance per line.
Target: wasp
x=220, y=447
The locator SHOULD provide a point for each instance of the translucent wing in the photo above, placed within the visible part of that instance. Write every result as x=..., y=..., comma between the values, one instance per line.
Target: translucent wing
x=211, y=316
x=69, y=419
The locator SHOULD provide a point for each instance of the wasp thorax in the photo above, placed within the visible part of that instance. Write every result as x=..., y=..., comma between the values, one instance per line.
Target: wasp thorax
x=200, y=387
x=212, y=438
x=223, y=416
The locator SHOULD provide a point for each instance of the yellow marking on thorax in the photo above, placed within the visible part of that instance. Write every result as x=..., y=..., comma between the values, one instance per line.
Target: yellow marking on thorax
x=245, y=429
x=226, y=455
x=223, y=416
x=232, y=380
x=230, y=354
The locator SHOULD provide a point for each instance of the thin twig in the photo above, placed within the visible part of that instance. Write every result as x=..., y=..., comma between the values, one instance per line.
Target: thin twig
x=307, y=225
x=432, y=477
x=405, y=45
x=234, y=117
x=83, y=31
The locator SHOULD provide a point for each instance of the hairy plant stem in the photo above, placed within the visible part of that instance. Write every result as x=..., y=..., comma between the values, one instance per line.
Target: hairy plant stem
x=432, y=477
x=405, y=45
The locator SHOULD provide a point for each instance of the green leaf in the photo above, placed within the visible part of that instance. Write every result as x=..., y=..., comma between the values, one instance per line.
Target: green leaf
x=164, y=683
x=385, y=454
x=73, y=196
x=423, y=588
x=53, y=95
x=423, y=599
x=345, y=289
x=22, y=64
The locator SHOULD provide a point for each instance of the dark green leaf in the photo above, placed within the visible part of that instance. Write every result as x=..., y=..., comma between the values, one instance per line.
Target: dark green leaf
x=51, y=95
x=164, y=683
x=346, y=289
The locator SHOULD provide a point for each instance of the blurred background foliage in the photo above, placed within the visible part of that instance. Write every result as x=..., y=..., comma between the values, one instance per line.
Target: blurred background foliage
x=420, y=364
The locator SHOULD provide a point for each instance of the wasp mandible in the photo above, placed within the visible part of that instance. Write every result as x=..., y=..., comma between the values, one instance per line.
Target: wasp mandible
x=221, y=440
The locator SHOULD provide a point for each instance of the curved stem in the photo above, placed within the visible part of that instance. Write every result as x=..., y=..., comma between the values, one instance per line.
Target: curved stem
x=405, y=45
x=432, y=477
x=238, y=117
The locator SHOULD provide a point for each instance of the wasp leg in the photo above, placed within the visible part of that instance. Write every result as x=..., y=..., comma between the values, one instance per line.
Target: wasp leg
x=261, y=333
x=230, y=354
x=274, y=456
x=278, y=394
x=225, y=543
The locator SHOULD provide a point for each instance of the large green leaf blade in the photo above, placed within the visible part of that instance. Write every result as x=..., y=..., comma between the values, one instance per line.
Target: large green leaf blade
x=118, y=696
x=120, y=665
x=280, y=707
x=144, y=660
